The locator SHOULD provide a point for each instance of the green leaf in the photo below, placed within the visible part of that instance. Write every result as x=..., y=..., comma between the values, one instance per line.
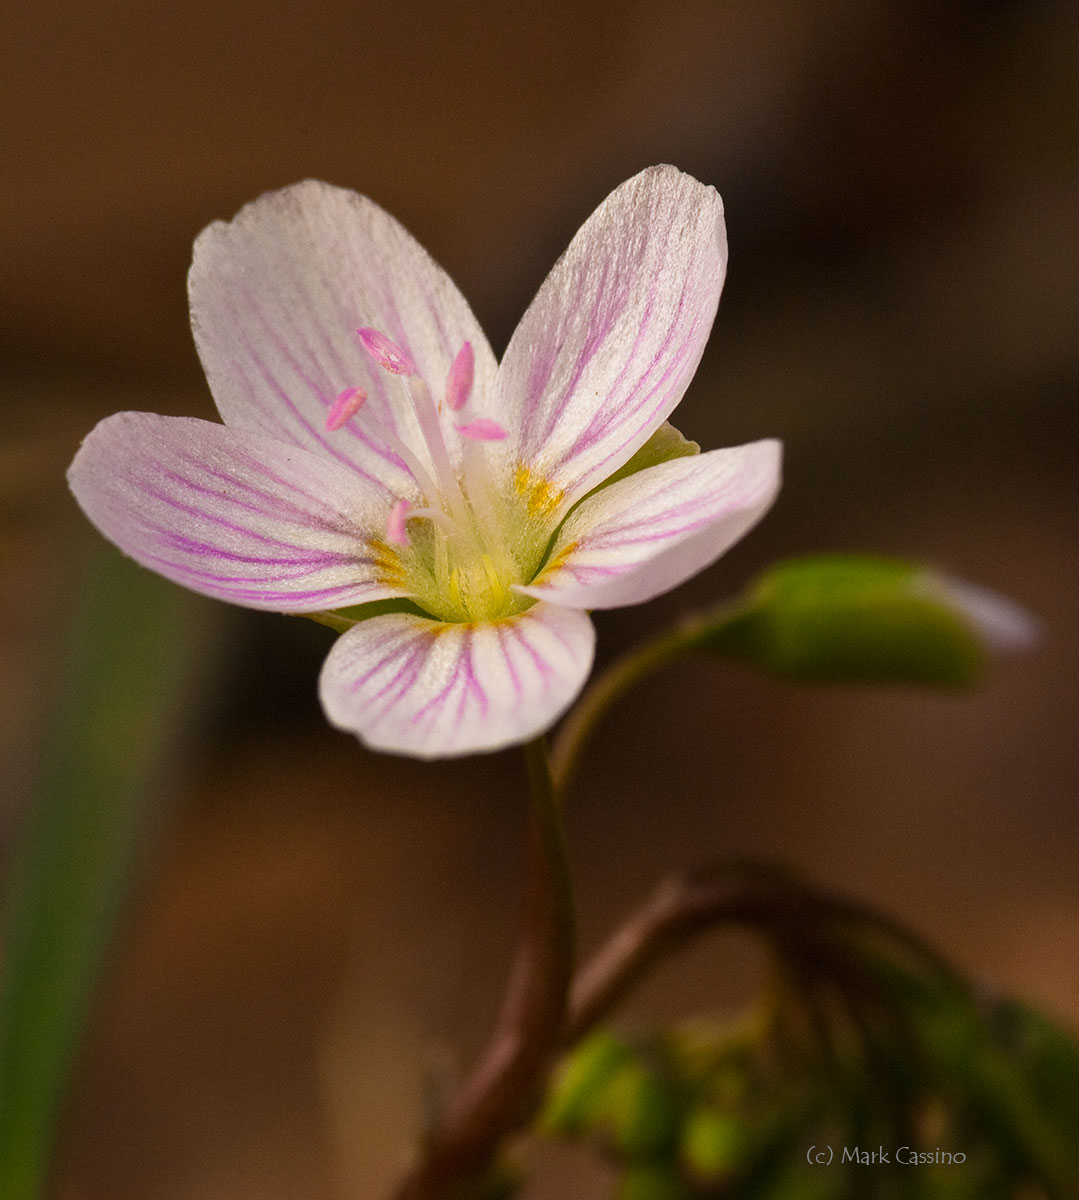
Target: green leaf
x=853, y=619
x=1050, y=1058
x=129, y=655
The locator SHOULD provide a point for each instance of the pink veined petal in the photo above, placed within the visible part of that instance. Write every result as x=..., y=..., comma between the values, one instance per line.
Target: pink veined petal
x=611, y=342
x=237, y=516
x=414, y=686
x=277, y=295
x=648, y=533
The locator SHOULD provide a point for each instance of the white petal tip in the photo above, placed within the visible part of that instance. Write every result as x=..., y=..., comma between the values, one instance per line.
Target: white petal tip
x=1005, y=626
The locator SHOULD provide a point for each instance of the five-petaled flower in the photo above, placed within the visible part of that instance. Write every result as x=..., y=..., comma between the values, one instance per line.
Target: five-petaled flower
x=378, y=466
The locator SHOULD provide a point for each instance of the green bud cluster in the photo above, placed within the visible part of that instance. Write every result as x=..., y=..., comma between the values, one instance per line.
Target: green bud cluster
x=871, y=1049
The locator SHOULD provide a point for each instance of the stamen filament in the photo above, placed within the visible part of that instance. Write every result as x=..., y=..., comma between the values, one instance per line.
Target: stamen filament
x=427, y=416
x=475, y=478
x=437, y=517
x=394, y=444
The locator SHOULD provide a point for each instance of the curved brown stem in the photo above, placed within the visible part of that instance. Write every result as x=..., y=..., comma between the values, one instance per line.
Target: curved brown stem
x=754, y=894
x=495, y=1099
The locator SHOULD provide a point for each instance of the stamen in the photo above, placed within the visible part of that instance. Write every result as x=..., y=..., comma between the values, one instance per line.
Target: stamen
x=345, y=407
x=459, y=383
x=476, y=483
x=415, y=468
x=462, y=559
x=437, y=517
x=385, y=352
x=396, y=533
x=481, y=430
x=427, y=417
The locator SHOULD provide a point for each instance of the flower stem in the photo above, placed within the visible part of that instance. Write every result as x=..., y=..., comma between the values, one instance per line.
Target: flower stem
x=757, y=895
x=610, y=686
x=497, y=1097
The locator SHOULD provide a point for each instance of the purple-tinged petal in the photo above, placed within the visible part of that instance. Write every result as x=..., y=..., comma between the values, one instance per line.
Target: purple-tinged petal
x=610, y=343
x=277, y=297
x=646, y=534
x=415, y=686
x=233, y=515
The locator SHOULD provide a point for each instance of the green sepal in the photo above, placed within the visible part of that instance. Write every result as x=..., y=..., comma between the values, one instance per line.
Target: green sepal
x=342, y=619
x=665, y=445
x=851, y=619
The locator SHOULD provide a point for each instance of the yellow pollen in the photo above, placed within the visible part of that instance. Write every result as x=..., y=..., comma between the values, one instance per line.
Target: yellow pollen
x=386, y=562
x=556, y=562
x=542, y=496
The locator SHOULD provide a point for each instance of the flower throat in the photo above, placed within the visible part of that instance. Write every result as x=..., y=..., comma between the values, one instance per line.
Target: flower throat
x=458, y=554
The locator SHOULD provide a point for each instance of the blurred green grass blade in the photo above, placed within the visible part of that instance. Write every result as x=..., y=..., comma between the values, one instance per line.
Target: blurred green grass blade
x=126, y=660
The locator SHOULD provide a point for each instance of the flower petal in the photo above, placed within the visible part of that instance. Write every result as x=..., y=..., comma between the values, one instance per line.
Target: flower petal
x=415, y=686
x=277, y=296
x=234, y=515
x=645, y=534
x=610, y=343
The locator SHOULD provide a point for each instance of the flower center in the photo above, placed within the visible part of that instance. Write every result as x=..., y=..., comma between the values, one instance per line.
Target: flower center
x=458, y=554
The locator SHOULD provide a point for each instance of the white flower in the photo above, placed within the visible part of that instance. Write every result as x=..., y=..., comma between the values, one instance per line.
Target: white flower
x=373, y=450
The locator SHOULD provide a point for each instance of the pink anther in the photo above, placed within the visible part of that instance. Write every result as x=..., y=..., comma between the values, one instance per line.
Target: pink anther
x=385, y=352
x=396, y=533
x=345, y=407
x=481, y=430
x=459, y=383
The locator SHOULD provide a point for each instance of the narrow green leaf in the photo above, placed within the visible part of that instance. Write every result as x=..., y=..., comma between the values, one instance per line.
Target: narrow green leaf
x=127, y=654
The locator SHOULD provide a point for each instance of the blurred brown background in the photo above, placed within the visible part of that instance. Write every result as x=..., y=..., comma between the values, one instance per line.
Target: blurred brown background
x=317, y=928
